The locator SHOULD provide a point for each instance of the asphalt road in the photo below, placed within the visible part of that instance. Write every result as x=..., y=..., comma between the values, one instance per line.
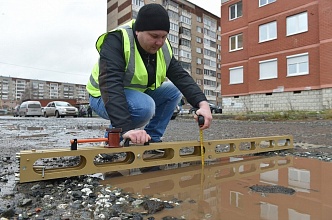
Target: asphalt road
x=44, y=133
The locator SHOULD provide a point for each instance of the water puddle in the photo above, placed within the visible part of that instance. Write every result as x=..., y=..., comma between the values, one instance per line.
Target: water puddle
x=236, y=188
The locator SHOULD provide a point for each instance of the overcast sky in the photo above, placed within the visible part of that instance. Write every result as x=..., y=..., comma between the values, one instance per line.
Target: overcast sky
x=54, y=40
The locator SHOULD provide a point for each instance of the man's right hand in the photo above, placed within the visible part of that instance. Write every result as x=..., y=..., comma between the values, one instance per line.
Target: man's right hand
x=137, y=136
x=204, y=110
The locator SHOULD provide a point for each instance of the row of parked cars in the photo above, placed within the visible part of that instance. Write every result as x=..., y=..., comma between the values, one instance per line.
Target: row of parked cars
x=55, y=108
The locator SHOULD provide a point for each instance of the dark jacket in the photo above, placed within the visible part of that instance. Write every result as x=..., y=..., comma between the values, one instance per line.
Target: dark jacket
x=112, y=68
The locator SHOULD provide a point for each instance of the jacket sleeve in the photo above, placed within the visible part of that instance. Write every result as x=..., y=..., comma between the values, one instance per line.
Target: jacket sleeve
x=185, y=83
x=111, y=74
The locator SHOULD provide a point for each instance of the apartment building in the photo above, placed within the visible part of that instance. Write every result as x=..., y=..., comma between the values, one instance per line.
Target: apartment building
x=194, y=35
x=276, y=55
x=14, y=90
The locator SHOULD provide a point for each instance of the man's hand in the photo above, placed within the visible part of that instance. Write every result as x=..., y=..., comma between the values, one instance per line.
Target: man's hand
x=137, y=136
x=204, y=110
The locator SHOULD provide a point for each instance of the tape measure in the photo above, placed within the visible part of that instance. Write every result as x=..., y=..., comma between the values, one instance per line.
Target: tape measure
x=200, y=124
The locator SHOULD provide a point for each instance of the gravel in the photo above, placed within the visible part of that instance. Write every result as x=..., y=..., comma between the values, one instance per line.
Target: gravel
x=84, y=198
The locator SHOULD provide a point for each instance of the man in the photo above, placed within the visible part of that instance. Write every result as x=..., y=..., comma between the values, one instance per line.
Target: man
x=128, y=86
x=89, y=112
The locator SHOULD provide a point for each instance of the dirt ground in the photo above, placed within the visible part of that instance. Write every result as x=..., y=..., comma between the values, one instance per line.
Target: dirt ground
x=44, y=133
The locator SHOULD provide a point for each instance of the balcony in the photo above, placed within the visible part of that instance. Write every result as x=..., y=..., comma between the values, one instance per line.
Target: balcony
x=184, y=36
x=185, y=25
x=173, y=8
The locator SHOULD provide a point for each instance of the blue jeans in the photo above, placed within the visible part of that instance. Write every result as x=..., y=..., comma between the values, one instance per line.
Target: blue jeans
x=152, y=109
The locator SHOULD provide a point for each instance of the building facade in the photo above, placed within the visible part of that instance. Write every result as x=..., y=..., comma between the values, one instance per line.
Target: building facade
x=194, y=35
x=14, y=90
x=276, y=55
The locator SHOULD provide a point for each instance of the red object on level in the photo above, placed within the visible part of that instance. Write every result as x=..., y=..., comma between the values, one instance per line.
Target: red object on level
x=113, y=139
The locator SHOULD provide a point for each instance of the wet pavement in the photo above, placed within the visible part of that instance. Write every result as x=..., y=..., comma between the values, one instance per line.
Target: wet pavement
x=290, y=188
x=232, y=188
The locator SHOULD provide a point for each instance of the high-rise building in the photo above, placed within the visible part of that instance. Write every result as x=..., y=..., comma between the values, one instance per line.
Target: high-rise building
x=14, y=90
x=194, y=35
x=276, y=55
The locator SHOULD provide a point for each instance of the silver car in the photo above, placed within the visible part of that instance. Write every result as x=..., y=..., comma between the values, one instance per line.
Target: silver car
x=60, y=109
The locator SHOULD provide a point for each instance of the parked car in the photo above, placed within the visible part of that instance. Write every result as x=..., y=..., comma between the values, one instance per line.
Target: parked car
x=16, y=111
x=30, y=108
x=215, y=109
x=82, y=112
x=175, y=112
x=60, y=109
x=82, y=109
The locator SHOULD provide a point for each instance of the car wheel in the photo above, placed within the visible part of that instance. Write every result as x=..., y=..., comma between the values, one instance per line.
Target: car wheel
x=57, y=114
x=213, y=111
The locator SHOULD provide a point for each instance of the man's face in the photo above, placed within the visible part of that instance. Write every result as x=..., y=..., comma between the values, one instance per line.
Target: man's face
x=151, y=41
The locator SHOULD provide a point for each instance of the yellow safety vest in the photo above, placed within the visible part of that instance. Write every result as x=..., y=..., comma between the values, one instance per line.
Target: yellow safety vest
x=136, y=76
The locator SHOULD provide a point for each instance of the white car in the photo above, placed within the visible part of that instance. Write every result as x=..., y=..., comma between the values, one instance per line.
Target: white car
x=30, y=108
x=60, y=109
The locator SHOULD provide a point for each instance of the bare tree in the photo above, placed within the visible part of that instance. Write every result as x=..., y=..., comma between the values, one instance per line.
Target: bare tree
x=26, y=95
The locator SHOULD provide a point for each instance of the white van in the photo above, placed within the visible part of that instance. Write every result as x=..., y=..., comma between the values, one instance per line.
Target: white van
x=30, y=108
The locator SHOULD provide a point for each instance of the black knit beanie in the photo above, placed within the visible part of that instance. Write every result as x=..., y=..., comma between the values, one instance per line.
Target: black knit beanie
x=152, y=17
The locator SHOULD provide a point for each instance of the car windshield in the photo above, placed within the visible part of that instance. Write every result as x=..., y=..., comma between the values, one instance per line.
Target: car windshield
x=64, y=104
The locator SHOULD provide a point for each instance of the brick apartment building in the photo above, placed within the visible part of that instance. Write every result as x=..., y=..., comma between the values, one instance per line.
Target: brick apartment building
x=276, y=55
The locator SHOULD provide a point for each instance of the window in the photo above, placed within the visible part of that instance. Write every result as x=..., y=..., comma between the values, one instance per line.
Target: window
x=236, y=75
x=265, y=2
x=199, y=19
x=174, y=27
x=210, y=53
x=185, y=42
x=199, y=71
x=268, y=31
x=210, y=63
x=236, y=42
x=198, y=50
x=185, y=31
x=173, y=38
x=138, y=2
x=185, y=19
x=198, y=40
x=235, y=10
x=199, y=61
x=185, y=54
x=268, y=69
x=297, y=23
x=298, y=64
x=175, y=51
x=199, y=29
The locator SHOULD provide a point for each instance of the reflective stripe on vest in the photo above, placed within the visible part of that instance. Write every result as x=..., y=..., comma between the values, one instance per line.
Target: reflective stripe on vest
x=129, y=52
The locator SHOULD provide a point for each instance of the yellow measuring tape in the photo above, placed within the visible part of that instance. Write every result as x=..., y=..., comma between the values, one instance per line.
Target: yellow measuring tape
x=200, y=124
x=202, y=147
